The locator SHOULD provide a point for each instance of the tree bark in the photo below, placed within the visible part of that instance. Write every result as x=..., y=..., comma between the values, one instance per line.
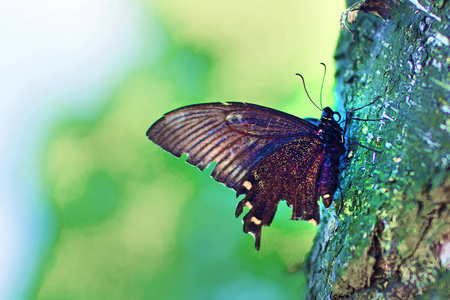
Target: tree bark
x=387, y=233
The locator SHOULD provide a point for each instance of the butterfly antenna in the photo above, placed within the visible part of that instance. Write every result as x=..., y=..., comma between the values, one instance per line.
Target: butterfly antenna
x=323, y=80
x=306, y=91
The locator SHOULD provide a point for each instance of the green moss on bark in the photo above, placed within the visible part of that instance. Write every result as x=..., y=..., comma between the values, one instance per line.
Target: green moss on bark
x=381, y=238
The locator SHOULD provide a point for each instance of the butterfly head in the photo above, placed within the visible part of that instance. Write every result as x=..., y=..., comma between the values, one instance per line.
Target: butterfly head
x=329, y=114
x=329, y=127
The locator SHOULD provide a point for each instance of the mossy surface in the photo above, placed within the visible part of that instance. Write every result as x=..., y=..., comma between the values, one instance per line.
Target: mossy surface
x=381, y=239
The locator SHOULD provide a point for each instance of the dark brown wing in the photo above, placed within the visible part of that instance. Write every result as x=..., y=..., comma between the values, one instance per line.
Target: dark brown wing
x=290, y=173
x=234, y=135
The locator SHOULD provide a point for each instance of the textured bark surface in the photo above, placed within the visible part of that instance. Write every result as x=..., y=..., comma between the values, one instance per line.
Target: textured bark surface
x=385, y=235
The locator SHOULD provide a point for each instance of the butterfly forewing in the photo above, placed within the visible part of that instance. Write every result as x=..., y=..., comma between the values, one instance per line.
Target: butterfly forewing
x=234, y=135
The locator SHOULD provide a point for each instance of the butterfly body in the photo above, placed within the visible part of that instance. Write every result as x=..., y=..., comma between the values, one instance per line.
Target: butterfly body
x=263, y=153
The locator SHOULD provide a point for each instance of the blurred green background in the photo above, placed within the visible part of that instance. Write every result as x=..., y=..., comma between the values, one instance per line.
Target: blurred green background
x=106, y=214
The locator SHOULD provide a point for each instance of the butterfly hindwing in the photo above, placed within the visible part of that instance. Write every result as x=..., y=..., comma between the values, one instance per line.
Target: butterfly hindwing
x=290, y=174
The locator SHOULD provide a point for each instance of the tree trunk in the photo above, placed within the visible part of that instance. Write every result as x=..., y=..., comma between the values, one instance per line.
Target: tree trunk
x=387, y=236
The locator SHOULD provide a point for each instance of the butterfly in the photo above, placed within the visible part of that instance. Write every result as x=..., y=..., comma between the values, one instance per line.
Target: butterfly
x=266, y=154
